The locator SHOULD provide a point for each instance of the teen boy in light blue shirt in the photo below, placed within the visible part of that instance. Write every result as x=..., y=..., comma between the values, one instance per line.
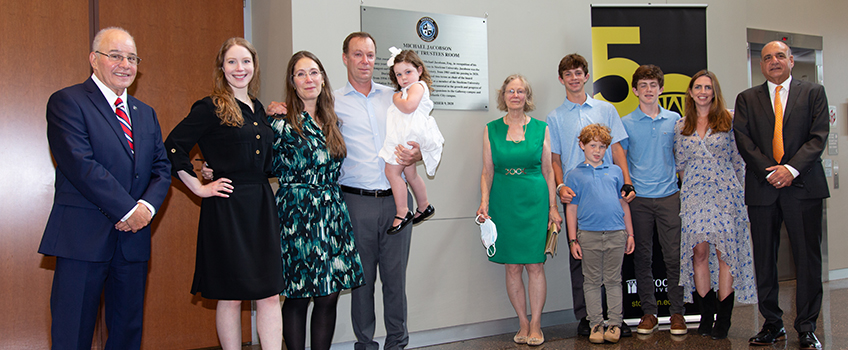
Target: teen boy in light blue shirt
x=650, y=159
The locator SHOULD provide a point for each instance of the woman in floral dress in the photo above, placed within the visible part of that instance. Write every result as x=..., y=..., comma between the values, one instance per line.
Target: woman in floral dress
x=715, y=245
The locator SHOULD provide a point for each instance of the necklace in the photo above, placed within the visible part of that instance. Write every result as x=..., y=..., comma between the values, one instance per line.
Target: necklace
x=523, y=131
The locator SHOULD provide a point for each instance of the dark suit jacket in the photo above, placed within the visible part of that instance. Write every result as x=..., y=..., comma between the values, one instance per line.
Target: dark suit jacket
x=97, y=178
x=805, y=129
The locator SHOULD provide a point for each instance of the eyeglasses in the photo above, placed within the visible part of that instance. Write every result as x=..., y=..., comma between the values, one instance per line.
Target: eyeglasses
x=314, y=74
x=116, y=57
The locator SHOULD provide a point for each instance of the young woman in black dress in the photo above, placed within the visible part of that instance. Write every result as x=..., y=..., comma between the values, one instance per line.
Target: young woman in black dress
x=238, y=240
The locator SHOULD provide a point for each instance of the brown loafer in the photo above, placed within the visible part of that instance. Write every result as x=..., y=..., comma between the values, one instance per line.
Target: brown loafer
x=678, y=325
x=648, y=324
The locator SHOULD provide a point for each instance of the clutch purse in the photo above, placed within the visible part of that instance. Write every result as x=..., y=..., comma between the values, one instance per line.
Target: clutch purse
x=551, y=240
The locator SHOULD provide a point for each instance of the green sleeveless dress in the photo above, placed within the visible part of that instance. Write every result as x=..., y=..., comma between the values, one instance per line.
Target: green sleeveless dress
x=518, y=201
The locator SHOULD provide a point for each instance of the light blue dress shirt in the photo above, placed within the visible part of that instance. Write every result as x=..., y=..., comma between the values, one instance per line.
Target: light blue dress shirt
x=650, y=152
x=363, y=126
x=566, y=121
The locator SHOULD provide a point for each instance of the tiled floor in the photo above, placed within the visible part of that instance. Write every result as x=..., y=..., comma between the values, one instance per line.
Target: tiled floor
x=832, y=330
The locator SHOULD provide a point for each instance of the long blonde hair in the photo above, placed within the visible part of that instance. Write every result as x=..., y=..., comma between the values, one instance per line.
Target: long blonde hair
x=226, y=106
x=324, y=109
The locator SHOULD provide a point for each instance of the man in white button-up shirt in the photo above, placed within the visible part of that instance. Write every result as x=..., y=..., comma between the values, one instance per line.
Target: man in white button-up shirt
x=109, y=184
x=785, y=185
x=361, y=106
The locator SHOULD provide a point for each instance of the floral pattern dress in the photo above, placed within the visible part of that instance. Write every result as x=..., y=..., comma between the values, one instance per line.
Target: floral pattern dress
x=318, y=252
x=713, y=210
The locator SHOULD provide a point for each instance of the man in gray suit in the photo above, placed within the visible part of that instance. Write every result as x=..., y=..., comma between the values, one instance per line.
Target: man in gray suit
x=781, y=128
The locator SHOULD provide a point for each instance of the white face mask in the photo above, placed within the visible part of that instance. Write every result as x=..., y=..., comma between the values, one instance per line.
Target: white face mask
x=488, y=234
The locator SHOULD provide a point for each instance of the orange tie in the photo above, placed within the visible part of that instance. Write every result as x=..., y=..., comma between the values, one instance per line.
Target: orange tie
x=777, y=141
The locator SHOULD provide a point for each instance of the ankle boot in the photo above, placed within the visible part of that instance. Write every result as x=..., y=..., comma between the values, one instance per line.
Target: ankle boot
x=706, y=305
x=725, y=310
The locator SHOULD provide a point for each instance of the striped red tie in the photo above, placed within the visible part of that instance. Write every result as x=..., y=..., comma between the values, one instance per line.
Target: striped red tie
x=125, y=121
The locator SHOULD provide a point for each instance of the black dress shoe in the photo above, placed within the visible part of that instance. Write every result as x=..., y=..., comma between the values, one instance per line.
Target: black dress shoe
x=583, y=328
x=424, y=215
x=808, y=340
x=767, y=336
x=403, y=222
x=625, y=330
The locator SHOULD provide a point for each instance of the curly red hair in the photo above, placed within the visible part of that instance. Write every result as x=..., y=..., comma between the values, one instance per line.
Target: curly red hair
x=595, y=132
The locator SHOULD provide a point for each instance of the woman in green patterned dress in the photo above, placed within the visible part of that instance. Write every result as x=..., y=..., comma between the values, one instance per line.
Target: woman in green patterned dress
x=518, y=182
x=319, y=256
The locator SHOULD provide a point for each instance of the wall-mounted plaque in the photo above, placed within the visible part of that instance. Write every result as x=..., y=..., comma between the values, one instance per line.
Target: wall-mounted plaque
x=454, y=50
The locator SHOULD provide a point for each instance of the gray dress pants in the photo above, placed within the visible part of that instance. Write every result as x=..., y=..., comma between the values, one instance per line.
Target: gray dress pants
x=371, y=218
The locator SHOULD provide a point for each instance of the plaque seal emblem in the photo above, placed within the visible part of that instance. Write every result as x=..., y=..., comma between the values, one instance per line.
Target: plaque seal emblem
x=427, y=29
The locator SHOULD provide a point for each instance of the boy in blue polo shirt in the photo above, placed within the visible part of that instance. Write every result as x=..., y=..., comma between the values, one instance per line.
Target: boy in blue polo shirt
x=605, y=233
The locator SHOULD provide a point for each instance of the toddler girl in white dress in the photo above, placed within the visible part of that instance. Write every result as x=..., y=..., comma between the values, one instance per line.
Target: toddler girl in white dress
x=409, y=119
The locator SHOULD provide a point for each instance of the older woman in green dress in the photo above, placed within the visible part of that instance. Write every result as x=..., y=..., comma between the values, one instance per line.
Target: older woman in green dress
x=517, y=187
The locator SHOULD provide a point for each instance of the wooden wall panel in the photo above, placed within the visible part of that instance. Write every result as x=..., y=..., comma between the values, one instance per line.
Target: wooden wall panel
x=44, y=48
x=177, y=41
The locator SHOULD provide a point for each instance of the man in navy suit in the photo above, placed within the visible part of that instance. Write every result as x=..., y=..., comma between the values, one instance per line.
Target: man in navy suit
x=110, y=180
x=781, y=129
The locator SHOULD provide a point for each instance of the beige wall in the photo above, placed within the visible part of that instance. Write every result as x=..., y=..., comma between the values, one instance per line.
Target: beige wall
x=450, y=282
